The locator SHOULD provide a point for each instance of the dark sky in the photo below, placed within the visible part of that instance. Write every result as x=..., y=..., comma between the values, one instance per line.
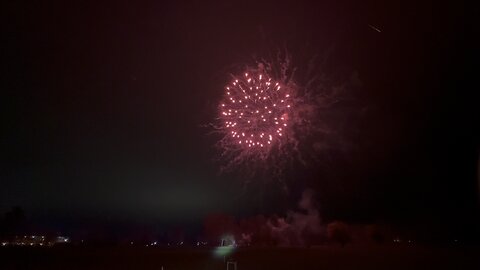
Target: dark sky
x=102, y=107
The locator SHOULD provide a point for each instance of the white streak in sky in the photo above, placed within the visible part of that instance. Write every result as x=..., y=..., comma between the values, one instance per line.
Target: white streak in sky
x=375, y=28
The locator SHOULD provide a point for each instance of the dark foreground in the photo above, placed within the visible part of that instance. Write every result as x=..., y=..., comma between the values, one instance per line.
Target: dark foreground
x=252, y=258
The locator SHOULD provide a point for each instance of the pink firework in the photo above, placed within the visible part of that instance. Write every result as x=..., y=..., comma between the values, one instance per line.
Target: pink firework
x=269, y=121
x=276, y=115
x=255, y=112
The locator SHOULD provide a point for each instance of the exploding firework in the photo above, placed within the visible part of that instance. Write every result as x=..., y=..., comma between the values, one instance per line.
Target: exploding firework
x=258, y=115
x=267, y=120
x=255, y=113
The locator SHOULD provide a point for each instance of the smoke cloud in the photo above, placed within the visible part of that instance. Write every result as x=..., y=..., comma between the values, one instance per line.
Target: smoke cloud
x=300, y=227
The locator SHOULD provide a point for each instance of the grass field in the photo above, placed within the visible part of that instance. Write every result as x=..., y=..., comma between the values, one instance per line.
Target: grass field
x=251, y=258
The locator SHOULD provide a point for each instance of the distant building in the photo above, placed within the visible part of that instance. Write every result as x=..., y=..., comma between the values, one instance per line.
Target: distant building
x=36, y=241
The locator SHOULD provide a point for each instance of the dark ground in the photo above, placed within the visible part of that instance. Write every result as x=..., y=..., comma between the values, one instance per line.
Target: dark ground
x=278, y=258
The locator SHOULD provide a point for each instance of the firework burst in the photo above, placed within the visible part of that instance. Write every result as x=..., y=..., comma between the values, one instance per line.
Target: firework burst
x=258, y=116
x=255, y=113
x=266, y=120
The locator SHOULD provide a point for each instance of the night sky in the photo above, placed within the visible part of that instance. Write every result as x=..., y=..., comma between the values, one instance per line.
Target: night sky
x=103, y=108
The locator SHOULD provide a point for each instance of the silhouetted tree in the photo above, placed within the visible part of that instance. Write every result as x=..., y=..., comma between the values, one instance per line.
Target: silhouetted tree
x=13, y=222
x=338, y=231
x=376, y=234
